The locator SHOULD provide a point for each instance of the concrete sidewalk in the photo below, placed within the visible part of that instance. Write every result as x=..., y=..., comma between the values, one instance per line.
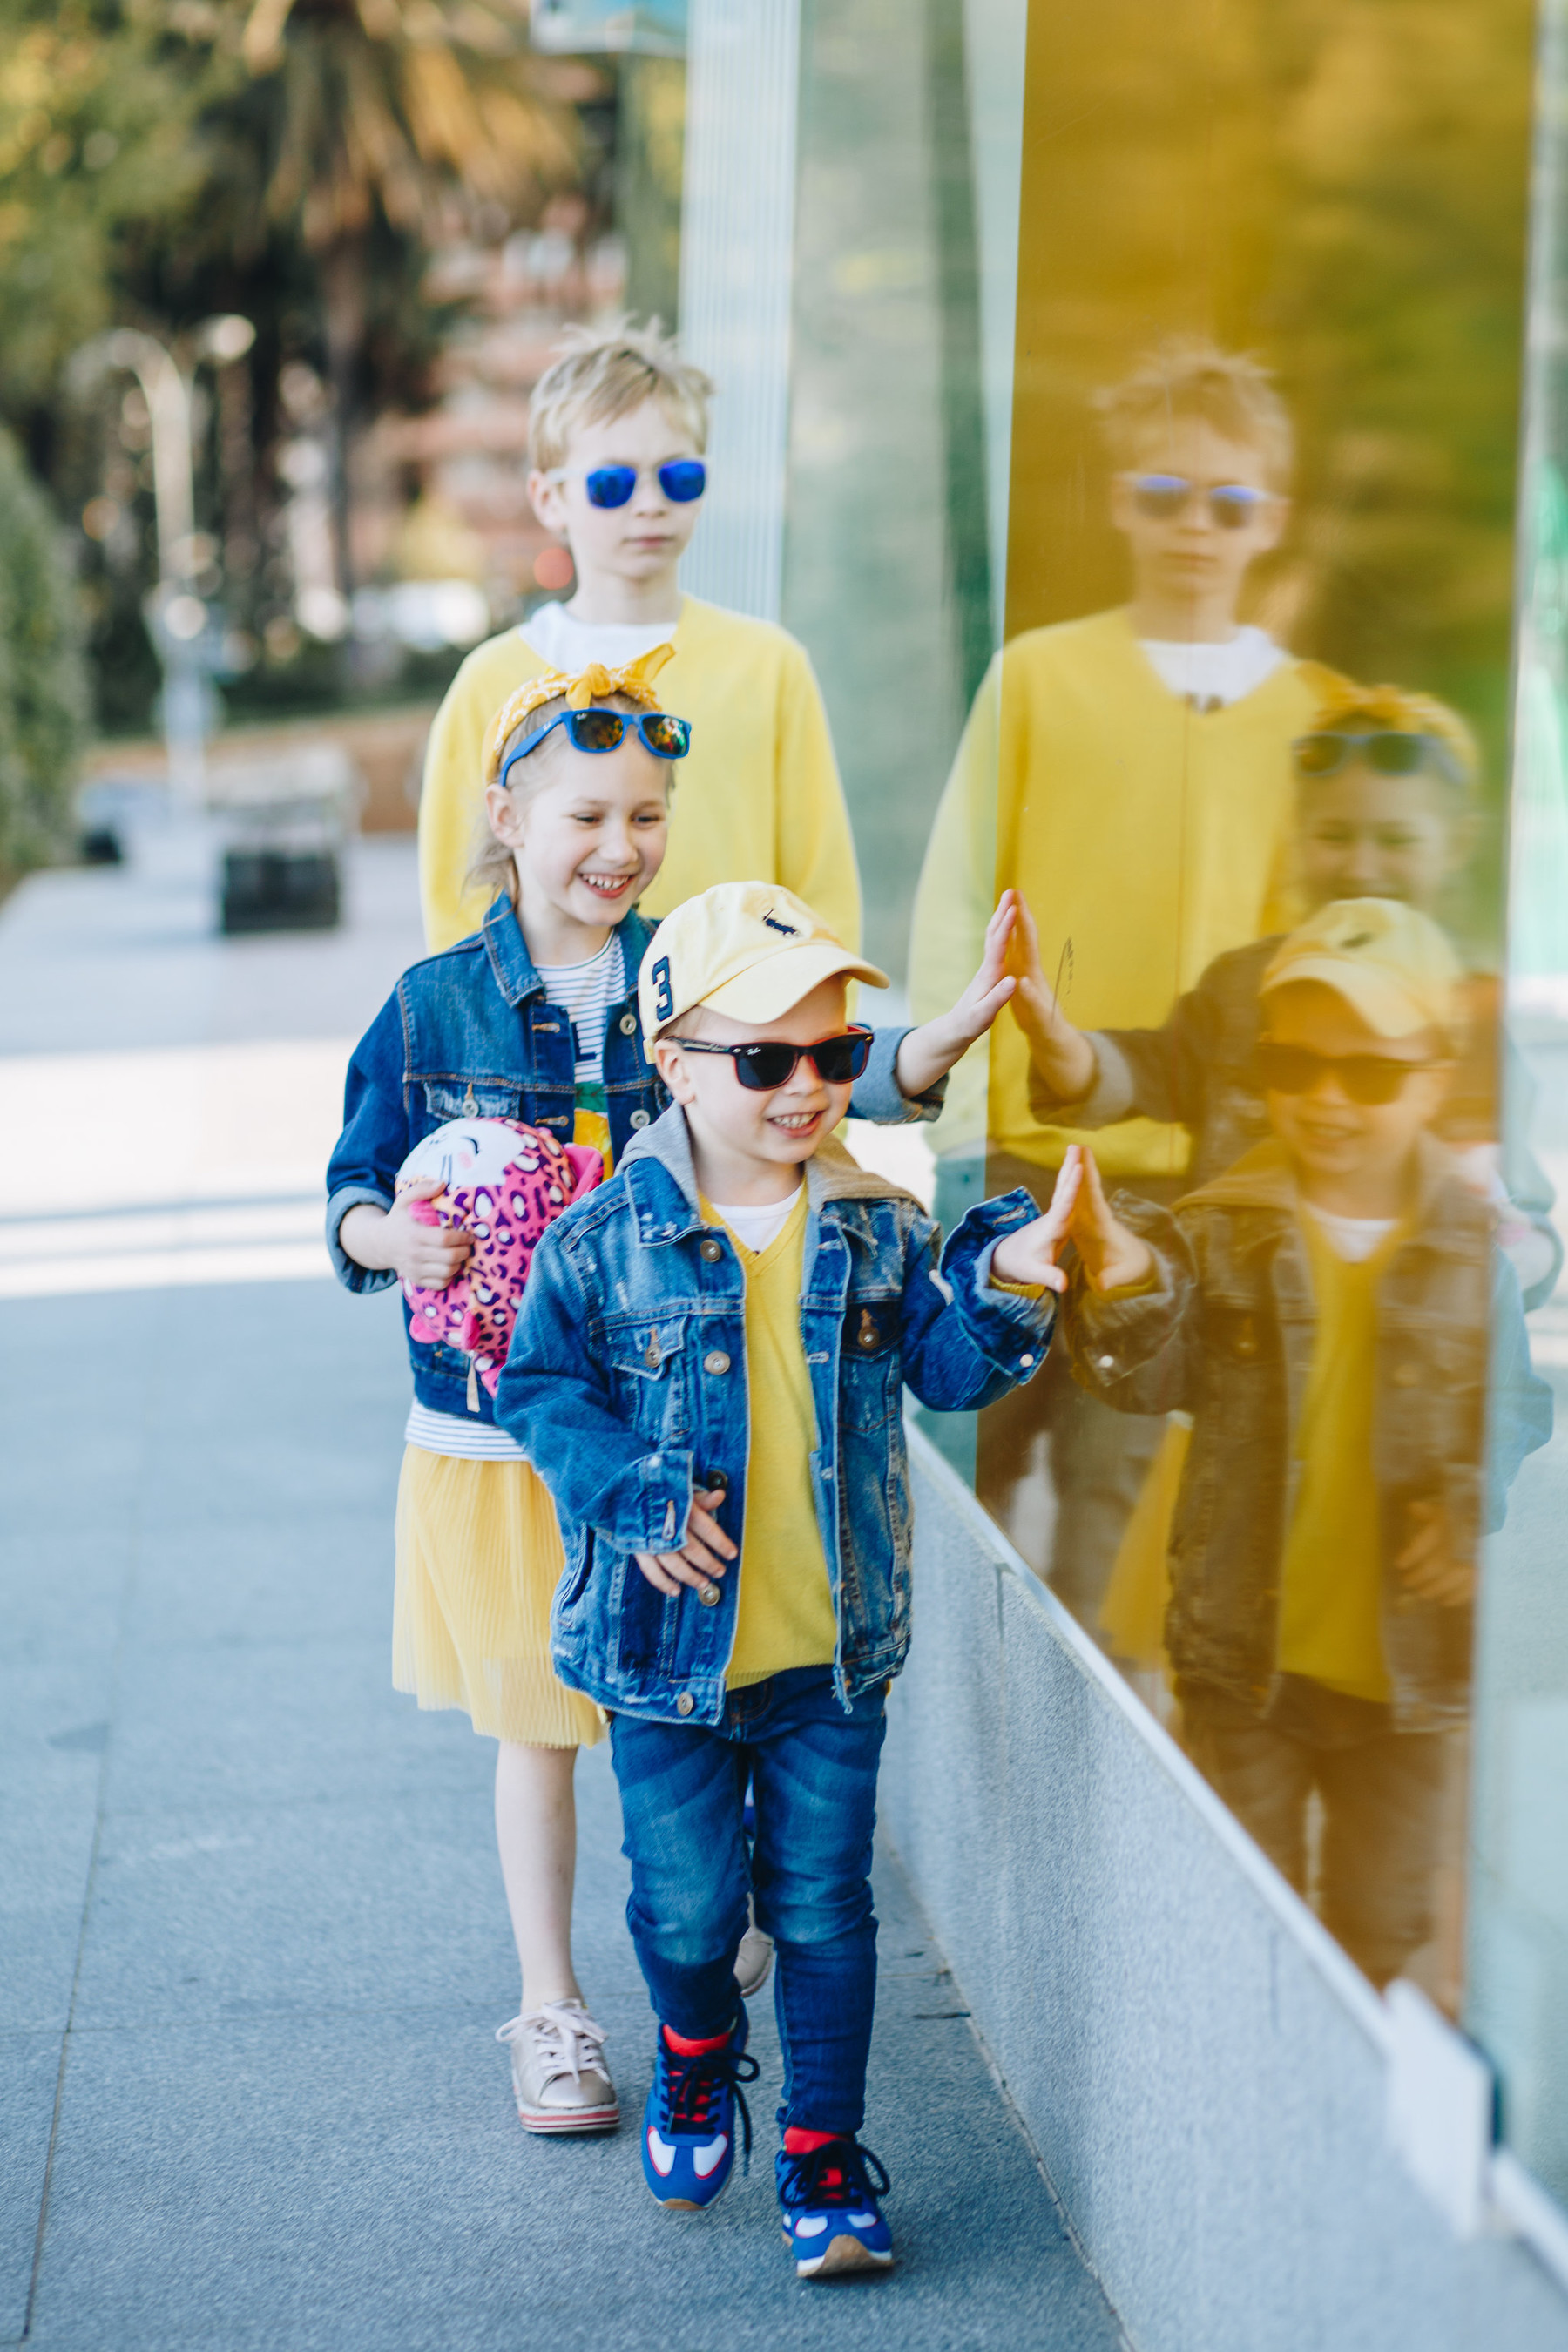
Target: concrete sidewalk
x=256, y=1944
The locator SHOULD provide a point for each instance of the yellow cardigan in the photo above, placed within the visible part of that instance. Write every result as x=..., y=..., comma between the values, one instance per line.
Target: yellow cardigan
x=1151, y=835
x=756, y=799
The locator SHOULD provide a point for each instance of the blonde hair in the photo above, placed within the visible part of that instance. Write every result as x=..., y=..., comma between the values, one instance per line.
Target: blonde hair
x=1350, y=710
x=607, y=373
x=1186, y=376
x=491, y=864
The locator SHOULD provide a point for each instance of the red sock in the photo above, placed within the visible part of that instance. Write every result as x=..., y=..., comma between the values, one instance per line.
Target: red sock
x=798, y=2141
x=685, y=2049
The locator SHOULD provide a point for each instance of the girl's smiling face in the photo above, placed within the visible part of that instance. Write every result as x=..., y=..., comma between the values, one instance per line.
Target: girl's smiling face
x=587, y=836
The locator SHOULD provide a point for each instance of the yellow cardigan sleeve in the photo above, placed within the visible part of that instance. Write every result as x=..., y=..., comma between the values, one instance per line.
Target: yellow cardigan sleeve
x=448, y=804
x=815, y=852
x=953, y=905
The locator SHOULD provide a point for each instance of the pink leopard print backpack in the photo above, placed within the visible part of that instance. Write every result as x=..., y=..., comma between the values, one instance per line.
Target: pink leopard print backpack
x=503, y=1183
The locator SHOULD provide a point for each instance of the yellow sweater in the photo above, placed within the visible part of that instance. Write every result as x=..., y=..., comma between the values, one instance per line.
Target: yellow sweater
x=757, y=798
x=1331, y=1583
x=785, y=1617
x=1150, y=835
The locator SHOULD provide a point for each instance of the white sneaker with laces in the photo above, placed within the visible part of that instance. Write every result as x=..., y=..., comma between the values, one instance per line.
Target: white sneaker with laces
x=559, y=2077
x=756, y=1956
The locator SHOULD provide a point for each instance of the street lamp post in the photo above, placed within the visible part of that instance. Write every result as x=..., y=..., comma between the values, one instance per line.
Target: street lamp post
x=178, y=614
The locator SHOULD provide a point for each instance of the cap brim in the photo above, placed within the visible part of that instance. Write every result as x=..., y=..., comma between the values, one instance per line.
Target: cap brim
x=776, y=985
x=1388, y=1008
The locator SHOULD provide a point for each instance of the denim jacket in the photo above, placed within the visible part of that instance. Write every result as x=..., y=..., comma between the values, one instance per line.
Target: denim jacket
x=626, y=1387
x=1227, y=1335
x=1200, y=1070
x=470, y=1034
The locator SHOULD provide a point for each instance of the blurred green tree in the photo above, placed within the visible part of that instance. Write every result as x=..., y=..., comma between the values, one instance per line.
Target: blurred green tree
x=43, y=679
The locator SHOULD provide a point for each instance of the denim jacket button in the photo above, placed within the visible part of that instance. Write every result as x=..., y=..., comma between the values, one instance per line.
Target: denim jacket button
x=685, y=1703
x=639, y=1118
x=711, y=1250
x=710, y=1596
x=628, y=1024
x=715, y=1361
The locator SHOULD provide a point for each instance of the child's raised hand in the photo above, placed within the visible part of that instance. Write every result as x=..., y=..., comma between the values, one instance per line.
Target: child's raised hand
x=929, y=1053
x=428, y=1255
x=1431, y=1566
x=702, y=1559
x=1113, y=1257
x=1063, y=1058
x=1030, y=1256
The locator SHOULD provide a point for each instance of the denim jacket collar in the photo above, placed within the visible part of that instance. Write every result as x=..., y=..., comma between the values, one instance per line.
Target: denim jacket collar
x=831, y=1174
x=1445, y=1213
x=513, y=967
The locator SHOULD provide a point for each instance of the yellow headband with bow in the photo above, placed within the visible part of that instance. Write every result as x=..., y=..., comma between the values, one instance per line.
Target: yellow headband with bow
x=633, y=680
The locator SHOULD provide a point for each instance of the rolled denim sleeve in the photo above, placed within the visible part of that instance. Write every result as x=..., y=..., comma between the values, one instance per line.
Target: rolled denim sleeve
x=373, y=1144
x=966, y=1344
x=877, y=1096
x=553, y=1401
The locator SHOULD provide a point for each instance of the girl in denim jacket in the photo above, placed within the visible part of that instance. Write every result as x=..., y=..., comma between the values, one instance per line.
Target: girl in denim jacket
x=534, y=1019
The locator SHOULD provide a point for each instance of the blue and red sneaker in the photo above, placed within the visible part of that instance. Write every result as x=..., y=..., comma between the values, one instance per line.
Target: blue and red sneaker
x=689, y=2123
x=827, y=2196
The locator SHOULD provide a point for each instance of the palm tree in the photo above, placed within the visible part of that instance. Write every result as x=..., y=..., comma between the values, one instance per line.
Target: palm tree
x=417, y=113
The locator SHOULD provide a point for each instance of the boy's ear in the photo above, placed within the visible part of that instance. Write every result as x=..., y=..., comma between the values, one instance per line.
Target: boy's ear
x=545, y=496
x=673, y=1068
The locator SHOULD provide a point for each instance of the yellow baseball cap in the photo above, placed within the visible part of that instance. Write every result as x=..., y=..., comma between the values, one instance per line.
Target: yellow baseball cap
x=749, y=949
x=1390, y=962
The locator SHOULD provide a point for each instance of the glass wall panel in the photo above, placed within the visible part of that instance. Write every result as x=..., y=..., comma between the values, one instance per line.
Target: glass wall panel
x=1517, y=1997
x=1244, y=757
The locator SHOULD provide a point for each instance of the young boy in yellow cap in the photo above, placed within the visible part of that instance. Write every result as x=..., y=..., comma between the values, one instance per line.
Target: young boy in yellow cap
x=1323, y=1310
x=708, y=1372
x=617, y=431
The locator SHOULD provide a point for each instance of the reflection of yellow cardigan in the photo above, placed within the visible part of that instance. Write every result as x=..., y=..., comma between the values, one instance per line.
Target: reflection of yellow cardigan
x=1152, y=836
x=757, y=798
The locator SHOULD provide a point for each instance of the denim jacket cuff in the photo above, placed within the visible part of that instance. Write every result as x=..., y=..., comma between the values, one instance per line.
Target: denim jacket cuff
x=647, y=1507
x=877, y=1096
x=1030, y=1313
x=350, y=1273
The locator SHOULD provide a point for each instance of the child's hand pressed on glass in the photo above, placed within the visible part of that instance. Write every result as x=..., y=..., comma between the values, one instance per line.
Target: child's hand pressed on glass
x=1028, y=1256
x=1062, y=1055
x=703, y=1558
x=391, y=1240
x=928, y=1054
x=1112, y=1257
x=1431, y=1566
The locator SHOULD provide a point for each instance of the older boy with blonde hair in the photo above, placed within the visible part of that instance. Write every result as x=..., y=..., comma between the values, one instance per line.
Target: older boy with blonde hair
x=617, y=431
x=1129, y=773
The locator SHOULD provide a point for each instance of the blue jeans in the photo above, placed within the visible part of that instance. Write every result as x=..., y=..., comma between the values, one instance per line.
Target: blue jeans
x=813, y=1772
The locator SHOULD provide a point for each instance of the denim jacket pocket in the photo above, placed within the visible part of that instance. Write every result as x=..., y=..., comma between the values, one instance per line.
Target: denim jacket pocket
x=869, y=1364
x=651, y=1376
x=458, y=1097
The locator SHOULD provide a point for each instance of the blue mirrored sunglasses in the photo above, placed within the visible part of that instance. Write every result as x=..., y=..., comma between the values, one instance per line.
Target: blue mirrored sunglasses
x=1164, y=497
x=683, y=480
x=666, y=737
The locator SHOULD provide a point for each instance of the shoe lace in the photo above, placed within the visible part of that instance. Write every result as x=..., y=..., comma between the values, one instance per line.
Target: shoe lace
x=841, y=2172
x=692, y=2084
x=565, y=2038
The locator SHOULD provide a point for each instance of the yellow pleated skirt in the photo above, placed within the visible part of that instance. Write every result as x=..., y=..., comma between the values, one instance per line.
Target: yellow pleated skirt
x=479, y=1557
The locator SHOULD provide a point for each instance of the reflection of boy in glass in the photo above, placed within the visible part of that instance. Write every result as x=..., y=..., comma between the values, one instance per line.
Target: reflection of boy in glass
x=1322, y=1310
x=1130, y=772
x=1385, y=809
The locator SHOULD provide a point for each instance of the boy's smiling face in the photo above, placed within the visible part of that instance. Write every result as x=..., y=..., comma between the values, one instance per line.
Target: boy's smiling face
x=649, y=535
x=1189, y=559
x=1335, y=1143
x=756, y=1143
x=1363, y=836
